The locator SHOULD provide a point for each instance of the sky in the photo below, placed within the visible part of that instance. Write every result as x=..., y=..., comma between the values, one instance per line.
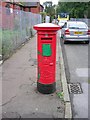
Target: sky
x=54, y=1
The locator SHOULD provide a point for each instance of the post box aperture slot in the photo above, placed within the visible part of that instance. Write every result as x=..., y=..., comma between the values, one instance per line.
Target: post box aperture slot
x=46, y=50
x=46, y=38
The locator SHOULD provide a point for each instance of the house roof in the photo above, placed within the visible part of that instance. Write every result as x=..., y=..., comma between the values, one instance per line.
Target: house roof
x=21, y=0
x=30, y=4
x=26, y=0
x=41, y=6
x=31, y=0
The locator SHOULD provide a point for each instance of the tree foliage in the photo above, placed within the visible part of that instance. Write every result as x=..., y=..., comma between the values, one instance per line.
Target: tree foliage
x=50, y=11
x=43, y=14
x=75, y=9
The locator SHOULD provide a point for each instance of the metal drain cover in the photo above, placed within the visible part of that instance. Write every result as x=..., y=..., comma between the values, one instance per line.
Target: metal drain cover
x=75, y=88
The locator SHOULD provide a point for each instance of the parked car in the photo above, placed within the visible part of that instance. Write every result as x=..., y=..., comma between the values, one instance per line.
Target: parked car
x=75, y=31
x=61, y=22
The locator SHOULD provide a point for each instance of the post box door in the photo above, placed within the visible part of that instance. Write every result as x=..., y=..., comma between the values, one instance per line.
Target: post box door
x=46, y=59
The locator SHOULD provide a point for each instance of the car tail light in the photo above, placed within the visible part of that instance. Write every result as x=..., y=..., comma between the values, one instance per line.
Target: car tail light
x=67, y=32
x=88, y=32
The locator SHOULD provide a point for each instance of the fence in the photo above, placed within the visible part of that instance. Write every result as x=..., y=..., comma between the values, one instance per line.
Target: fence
x=15, y=28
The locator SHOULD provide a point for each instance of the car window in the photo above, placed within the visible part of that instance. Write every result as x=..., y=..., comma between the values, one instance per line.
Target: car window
x=72, y=26
x=82, y=25
x=77, y=25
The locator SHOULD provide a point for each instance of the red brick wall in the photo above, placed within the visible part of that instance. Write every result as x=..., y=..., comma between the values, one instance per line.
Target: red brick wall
x=16, y=7
x=26, y=9
x=5, y=3
x=32, y=9
x=0, y=3
x=7, y=19
x=35, y=10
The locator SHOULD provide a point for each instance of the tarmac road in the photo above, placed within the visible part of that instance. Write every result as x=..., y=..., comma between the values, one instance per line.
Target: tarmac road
x=76, y=67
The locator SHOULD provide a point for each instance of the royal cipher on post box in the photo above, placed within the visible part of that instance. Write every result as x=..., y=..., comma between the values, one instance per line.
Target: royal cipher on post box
x=46, y=58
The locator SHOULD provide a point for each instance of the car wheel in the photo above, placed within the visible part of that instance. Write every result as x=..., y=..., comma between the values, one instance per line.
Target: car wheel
x=87, y=42
x=64, y=41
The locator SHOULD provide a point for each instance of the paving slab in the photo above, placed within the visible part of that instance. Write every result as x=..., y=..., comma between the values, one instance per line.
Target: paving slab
x=20, y=98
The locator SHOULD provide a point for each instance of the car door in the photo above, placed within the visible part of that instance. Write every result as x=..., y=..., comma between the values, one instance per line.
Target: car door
x=64, y=27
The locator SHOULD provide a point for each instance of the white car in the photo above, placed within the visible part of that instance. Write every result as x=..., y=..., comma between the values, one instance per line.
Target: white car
x=75, y=31
x=61, y=22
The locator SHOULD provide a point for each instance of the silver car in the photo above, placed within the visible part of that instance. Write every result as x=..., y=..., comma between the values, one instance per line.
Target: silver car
x=61, y=22
x=75, y=31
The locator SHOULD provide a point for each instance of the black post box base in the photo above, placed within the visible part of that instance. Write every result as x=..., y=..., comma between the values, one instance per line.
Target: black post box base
x=46, y=88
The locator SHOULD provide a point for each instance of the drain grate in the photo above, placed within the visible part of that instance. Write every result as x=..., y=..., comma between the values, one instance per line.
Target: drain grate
x=75, y=88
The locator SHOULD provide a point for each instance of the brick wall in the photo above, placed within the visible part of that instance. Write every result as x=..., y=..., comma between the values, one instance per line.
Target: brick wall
x=35, y=10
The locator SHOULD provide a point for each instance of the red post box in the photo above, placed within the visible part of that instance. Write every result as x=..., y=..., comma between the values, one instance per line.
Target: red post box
x=46, y=49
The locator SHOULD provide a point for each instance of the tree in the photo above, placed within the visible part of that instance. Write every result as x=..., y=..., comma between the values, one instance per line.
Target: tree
x=43, y=14
x=50, y=11
x=75, y=9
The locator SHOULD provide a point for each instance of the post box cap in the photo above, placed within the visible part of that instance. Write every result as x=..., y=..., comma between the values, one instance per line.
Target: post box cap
x=46, y=26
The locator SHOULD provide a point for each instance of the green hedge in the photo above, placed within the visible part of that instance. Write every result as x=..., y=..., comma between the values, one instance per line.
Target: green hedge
x=10, y=40
x=7, y=37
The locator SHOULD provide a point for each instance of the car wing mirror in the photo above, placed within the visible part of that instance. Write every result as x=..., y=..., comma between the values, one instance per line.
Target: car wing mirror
x=62, y=27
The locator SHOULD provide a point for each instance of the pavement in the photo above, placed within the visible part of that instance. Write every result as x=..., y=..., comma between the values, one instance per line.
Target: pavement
x=20, y=98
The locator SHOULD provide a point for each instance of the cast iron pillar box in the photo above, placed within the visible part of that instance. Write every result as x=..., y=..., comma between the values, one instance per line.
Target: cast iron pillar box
x=46, y=49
